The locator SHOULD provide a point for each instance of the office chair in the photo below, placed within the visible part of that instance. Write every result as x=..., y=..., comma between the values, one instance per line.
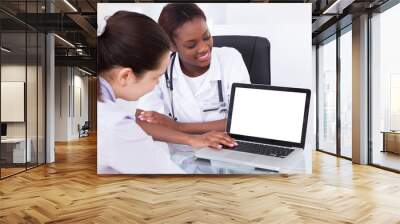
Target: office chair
x=255, y=52
x=84, y=130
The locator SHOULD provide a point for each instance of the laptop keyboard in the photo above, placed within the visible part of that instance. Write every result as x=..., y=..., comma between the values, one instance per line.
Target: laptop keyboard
x=267, y=150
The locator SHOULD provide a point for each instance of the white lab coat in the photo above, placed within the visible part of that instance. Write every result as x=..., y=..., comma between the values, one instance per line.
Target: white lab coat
x=226, y=65
x=122, y=144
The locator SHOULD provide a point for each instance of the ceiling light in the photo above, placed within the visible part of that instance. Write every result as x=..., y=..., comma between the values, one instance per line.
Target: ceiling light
x=5, y=50
x=84, y=71
x=337, y=7
x=64, y=40
x=70, y=5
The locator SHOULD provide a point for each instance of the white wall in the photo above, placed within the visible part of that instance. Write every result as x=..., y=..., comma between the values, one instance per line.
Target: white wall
x=70, y=84
x=61, y=82
x=14, y=72
x=286, y=26
x=17, y=73
x=314, y=84
x=13, y=101
x=80, y=110
x=33, y=126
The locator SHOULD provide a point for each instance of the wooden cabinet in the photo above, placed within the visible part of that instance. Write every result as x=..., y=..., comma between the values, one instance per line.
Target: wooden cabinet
x=391, y=142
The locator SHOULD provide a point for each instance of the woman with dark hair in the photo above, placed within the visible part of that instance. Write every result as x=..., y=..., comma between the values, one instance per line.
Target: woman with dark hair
x=133, y=52
x=195, y=91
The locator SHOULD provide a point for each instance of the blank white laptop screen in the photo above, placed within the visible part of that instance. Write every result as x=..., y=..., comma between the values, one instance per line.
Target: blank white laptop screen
x=270, y=114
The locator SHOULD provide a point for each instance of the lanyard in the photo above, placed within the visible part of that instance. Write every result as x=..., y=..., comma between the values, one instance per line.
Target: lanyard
x=170, y=86
x=169, y=82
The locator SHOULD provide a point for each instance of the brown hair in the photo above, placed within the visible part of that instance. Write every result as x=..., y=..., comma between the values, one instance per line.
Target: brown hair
x=131, y=40
x=175, y=15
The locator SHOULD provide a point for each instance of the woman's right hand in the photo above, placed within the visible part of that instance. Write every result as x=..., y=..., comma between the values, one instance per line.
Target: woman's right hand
x=212, y=139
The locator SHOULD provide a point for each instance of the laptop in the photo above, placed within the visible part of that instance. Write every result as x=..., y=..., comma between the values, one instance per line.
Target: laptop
x=269, y=124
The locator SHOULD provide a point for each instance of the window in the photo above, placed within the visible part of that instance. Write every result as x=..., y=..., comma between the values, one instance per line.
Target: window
x=22, y=77
x=327, y=97
x=385, y=89
x=346, y=93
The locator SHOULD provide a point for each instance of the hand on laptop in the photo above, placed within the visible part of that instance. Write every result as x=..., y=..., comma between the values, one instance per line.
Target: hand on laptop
x=212, y=139
x=156, y=118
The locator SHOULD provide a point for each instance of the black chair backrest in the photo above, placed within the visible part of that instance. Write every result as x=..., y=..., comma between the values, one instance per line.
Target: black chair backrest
x=255, y=52
x=86, y=125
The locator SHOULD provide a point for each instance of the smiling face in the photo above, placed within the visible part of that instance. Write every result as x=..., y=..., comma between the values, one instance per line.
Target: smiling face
x=194, y=42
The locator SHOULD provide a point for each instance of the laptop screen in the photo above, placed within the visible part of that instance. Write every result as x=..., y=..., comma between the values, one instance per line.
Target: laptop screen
x=272, y=115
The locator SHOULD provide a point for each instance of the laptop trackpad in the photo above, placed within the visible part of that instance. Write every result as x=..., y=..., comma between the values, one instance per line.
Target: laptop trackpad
x=239, y=156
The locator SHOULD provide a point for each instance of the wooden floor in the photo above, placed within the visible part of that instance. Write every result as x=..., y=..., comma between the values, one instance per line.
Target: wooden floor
x=10, y=171
x=387, y=159
x=70, y=191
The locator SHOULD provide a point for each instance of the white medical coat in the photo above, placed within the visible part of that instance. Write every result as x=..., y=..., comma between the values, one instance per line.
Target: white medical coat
x=226, y=65
x=122, y=144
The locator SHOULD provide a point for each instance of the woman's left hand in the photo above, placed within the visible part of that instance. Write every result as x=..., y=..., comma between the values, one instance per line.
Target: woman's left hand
x=157, y=118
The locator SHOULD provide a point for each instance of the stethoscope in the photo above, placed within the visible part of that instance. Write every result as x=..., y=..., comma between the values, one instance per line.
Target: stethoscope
x=170, y=87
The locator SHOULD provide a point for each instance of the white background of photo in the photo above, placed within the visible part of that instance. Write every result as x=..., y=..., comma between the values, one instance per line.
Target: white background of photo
x=286, y=26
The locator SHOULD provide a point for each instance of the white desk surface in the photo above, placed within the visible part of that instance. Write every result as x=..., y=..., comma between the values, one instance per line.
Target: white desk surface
x=294, y=163
x=298, y=162
x=13, y=140
x=302, y=165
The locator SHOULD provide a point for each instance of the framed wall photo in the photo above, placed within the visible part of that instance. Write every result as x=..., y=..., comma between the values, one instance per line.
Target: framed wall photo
x=221, y=44
x=12, y=101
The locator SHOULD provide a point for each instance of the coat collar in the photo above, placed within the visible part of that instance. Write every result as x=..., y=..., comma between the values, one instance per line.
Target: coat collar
x=106, y=91
x=214, y=68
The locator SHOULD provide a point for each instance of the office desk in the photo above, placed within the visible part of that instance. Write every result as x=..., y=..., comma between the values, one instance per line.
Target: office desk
x=13, y=150
x=300, y=163
x=391, y=141
x=219, y=162
x=294, y=163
